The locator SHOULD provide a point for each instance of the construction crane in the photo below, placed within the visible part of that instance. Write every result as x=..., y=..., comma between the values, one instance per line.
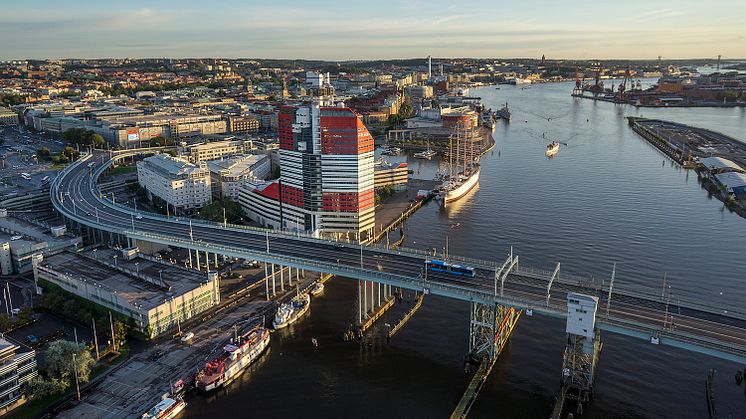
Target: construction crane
x=599, y=86
x=623, y=86
x=578, y=90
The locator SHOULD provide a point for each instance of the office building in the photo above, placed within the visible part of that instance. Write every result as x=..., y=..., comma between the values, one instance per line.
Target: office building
x=212, y=150
x=227, y=175
x=326, y=183
x=183, y=185
x=17, y=367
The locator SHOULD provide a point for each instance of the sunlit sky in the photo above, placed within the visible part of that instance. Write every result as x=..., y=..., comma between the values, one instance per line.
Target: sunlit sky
x=352, y=29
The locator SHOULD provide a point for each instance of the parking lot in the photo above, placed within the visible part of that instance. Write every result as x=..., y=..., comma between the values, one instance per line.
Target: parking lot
x=17, y=156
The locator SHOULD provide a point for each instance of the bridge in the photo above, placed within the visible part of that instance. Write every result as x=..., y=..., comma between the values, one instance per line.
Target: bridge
x=499, y=293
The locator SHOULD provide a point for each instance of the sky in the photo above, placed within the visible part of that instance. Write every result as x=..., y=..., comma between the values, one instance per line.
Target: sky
x=360, y=30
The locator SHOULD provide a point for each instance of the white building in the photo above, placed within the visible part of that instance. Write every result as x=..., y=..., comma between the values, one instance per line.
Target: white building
x=581, y=314
x=6, y=263
x=227, y=175
x=181, y=184
x=198, y=152
x=16, y=369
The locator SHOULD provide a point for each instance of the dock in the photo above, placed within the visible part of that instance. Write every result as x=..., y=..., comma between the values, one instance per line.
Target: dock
x=472, y=390
x=407, y=316
x=377, y=314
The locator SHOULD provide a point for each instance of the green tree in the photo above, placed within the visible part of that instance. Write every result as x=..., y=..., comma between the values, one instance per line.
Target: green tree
x=97, y=140
x=70, y=153
x=26, y=315
x=5, y=322
x=405, y=110
x=39, y=387
x=59, y=358
x=43, y=154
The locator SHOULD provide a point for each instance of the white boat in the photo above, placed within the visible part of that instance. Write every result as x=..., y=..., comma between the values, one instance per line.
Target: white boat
x=317, y=289
x=426, y=154
x=391, y=151
x=291, y=311
x=165, y=409
x=519, y=81
x=552, y=148
x=461, y=185
x=236, y=357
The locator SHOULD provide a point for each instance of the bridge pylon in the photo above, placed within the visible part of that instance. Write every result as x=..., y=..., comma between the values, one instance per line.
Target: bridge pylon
x=581, y=353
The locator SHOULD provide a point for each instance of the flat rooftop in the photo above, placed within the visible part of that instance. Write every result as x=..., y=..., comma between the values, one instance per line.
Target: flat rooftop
x=98, y=268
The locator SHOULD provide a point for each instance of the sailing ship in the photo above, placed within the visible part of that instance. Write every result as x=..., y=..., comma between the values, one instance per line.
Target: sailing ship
x=426, y=154
x=464, y=175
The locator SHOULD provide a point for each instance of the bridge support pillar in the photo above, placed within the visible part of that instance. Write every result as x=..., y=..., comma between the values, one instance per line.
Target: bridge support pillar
x=190, y=258
x=581, y=352
x=274, y=285
x=196, y=252
x=266, y=281
x=282, y=279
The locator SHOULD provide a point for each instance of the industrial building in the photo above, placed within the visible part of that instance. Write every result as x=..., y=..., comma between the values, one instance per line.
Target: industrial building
x=183, y=185
x=156, y=295
x=17, y=367
x=8, y=117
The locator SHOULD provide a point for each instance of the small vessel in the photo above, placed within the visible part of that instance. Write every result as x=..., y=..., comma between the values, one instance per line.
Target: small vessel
x=463, y=172
x=552, y=148
x=291, y=311
x=518, y=81
x=166, y=409
x=426, y=154
x=503, y=112
x=391, y=151
x=317, y=289
x=462, y=184
x=236, y=356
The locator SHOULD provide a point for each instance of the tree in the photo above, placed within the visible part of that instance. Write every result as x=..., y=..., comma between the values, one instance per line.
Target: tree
x=43, y=153
x=39, y=387
x=97, y=140
x=26, y=315
x=405, y=110
x=70, y=153
x=5, y=322
x=60, y=364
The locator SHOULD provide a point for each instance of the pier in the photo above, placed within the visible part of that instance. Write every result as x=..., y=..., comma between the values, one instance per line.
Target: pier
x=407, y=316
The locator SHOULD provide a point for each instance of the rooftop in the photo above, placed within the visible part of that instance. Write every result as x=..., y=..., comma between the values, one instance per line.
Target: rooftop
x=171, y=166
x=98, y=268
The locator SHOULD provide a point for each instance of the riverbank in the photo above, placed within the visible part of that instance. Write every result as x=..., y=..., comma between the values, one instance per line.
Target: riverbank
x=685, y=145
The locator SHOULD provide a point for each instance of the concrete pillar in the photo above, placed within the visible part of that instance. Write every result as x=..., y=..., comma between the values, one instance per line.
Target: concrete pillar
x=274, y=289
x=282, y=278
x=365, y=298
x=266, y=281
x=190, y=258
x=216, y=260
x=196, y=253
x=379, y=293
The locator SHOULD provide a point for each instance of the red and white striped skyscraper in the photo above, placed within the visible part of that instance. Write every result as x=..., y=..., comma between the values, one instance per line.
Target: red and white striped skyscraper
x=326, y=183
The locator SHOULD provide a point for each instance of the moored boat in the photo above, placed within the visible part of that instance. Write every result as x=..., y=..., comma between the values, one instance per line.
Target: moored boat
x=425, y=154
x=317, y=289
x=291, y=311
x=461, y=185
x=166, y=409
x=236, y=356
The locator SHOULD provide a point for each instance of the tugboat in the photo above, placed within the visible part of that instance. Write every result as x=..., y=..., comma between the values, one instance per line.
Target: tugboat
x=291, y=311
x=239, y=354
x=166, y=409
x=552, y=148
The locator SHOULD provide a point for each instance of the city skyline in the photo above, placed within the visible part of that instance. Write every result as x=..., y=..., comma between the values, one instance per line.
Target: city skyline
x=394, y=29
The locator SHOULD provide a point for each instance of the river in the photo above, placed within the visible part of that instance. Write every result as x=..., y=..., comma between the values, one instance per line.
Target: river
x=606, y=197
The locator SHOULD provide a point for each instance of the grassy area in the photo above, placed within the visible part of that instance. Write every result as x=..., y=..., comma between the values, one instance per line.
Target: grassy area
x=123, y=170
x=58, y=166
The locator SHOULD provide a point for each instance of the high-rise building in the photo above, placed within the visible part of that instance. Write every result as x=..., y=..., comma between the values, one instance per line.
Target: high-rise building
x=326, y=181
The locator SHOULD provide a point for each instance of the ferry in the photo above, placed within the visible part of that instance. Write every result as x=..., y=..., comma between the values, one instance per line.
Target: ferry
x=317, y=289
x=166, y=409
x=552, y=148
x=236, y=356
x=426, y=154
x=291, y=311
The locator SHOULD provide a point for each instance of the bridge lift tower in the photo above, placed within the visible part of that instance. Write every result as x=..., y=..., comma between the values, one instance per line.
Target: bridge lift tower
x=581, y=353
